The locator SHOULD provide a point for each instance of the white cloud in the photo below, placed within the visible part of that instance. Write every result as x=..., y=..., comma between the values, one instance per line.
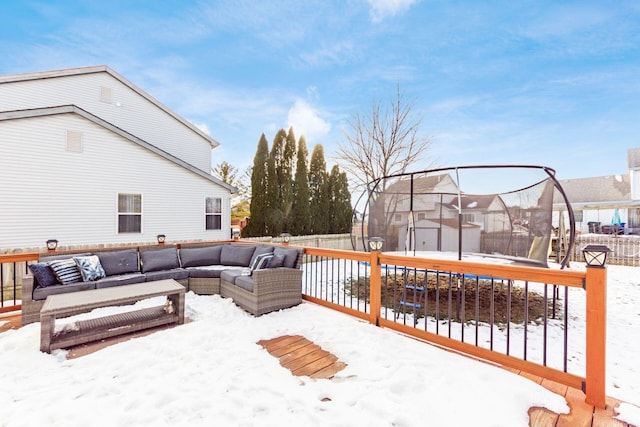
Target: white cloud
x=306, y=121
x=381, y=9
x=203, y=127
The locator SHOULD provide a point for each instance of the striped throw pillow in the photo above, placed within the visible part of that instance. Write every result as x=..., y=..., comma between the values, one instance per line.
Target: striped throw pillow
x=66, y=271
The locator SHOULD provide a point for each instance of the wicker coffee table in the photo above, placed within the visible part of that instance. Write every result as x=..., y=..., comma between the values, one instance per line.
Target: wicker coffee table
x=83, y=331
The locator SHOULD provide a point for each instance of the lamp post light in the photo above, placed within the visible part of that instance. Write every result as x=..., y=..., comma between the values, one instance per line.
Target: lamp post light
x=52, y=244
x=596, y=255
x=161, y=238
x=375, y=243
x=285, y=238
x=235, y=234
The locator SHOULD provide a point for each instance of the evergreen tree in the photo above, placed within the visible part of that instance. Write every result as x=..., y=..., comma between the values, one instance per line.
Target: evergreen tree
x=300, y=212
x=340, y=202
x=257, y=224
x=286, y=179
x=318, y=192
x=275, y=217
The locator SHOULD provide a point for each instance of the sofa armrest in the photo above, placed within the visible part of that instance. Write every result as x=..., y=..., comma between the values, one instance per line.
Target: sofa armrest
x=27, y=288
x=267, y=279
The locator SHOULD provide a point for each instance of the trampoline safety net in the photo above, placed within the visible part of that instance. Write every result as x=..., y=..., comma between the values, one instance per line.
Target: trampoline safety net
x=492, y=211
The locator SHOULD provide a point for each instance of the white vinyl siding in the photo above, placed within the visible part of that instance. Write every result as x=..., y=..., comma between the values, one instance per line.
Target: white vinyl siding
x=129, y=213
x=213, y=213
x=127, y=110
x=48, y=192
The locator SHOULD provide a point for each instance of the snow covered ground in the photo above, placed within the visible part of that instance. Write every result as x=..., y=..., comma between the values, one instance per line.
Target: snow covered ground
x=212, y=371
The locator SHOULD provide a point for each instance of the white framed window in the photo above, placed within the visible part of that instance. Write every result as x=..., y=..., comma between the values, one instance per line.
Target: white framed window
x=213, y=213
x=129, y=213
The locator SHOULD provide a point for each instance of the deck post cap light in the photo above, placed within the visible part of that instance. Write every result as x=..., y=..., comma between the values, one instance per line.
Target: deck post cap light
x=52, y=244
x=375, y=243
x=285, y=237
x=235, y=234
x=161, y=238
x=596, y=255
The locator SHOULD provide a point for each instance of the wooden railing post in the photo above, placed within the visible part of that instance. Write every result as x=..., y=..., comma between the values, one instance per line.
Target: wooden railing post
x=375, y=285
x=596, y=287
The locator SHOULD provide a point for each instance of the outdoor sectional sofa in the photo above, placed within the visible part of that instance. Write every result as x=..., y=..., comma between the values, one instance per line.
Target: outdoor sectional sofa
x=259, y=278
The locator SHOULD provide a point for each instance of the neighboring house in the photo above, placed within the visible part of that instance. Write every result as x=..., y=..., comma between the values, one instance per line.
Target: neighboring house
x=435, y=219
x=594, y=200
x=86, y=157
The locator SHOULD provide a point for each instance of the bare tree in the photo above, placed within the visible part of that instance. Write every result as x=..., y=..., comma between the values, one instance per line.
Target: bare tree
x=231, y=175
x=384, y=143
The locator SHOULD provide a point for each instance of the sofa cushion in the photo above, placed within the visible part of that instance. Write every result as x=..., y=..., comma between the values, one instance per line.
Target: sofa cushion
x=236, y=255
x=230, y=275
x=89, y=267
x=66, y=271
x=277, y=261
x=195, y=257
x=41, y=293
x=121, y=279
x=43, y=274
x=159, y=259
x=119, y=262
x=290, y=255
x=175, y=274
x=260, y=250
x=211, y=271
x=244, y=282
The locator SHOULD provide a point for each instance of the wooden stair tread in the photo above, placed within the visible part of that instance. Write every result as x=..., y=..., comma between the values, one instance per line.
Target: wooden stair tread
x=302, y=357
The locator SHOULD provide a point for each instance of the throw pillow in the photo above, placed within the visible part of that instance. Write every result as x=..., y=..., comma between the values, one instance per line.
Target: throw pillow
x=43, y=274
x=276, y=261
x=90, y=268
x=259, y=260
x=264, y=261
x=66, y=271
x=261, y=249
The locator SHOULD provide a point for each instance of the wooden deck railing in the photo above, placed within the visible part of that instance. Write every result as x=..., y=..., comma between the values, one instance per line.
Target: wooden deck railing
x=12, y=268
x=370, y=287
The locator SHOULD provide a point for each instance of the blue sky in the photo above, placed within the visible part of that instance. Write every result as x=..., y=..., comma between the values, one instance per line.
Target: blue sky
x=554, y=83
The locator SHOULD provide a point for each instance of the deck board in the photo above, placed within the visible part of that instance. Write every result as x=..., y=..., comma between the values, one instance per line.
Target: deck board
x=302, y=357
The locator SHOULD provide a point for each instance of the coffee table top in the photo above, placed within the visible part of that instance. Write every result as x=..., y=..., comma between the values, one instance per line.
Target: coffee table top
x=95, y=298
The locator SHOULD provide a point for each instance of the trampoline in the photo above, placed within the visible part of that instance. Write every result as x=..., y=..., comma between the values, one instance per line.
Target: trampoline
x=482, y=212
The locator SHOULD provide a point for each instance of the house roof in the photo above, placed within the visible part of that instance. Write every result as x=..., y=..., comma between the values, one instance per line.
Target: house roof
x=424, y=185
x=73, y=109
x=604, y=192
x=40, y=75
x=475, y=202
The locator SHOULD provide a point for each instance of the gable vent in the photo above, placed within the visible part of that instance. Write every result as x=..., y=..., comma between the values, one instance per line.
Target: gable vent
x=74, y=141
x=105, y=95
